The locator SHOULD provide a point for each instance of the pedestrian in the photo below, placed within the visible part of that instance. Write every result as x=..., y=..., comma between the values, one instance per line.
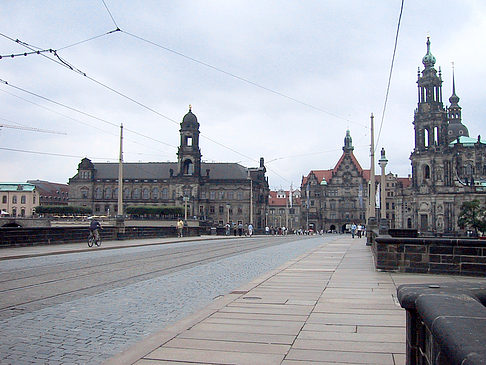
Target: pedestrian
x=240, y=229
x=228, y=229
x=250, y=229
x=267, y=230
x=353, y=229
x=180, y=226
x=359, y=230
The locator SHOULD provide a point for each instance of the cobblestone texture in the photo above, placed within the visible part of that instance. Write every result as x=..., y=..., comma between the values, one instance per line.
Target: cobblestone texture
x=92, y=329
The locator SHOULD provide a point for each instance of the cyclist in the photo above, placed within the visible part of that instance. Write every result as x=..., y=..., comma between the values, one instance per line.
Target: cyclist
x=94, y=229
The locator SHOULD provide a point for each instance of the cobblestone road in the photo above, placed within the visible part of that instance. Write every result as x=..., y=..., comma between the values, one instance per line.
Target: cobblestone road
x=92, y=328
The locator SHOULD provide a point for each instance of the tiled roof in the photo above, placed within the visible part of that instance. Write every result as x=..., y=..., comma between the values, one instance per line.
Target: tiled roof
x=274, y=201
x=16, y=187
x=161, y=170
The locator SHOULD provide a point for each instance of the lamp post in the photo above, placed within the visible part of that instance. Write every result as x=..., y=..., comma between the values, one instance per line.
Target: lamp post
x=185, y=198
x=383, y=227
x=228, y=213
x=382, y=162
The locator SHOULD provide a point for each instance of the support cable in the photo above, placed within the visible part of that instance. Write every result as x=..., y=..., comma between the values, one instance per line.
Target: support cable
x=389, y=76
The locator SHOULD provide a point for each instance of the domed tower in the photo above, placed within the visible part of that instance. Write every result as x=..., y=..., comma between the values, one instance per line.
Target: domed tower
x=455, y=128
x=189, y=154
x=430, y=124
x=430, y=118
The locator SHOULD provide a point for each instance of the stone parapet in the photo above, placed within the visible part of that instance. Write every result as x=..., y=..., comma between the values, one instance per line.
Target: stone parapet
x=430, y=255
x=446, y=323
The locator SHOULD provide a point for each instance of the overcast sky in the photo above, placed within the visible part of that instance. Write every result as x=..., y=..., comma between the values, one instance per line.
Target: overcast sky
x=282, y=80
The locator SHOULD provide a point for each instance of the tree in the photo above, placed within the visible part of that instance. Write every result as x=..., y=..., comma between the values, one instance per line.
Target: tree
x=472, y=215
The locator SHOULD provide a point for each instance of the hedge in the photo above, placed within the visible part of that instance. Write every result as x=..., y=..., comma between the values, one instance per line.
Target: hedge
x=153, y=210
x=63, y=209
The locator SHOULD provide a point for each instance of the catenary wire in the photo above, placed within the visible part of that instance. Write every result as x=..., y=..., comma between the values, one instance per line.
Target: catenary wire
x=389, y=76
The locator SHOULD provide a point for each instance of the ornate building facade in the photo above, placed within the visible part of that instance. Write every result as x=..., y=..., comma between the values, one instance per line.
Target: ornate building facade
x=213, y=192
x=284, y=209
x=448, y=169
x=448, y=166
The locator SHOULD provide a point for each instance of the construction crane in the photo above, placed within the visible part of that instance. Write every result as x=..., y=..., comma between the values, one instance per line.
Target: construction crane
x=30, y=129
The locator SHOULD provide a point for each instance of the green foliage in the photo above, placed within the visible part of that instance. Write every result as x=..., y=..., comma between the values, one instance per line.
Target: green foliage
x=62, y=210
x=153, y=210
x=472, y=215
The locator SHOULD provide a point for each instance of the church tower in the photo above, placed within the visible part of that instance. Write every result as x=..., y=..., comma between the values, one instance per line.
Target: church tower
x=430, y=123
x=189, y=154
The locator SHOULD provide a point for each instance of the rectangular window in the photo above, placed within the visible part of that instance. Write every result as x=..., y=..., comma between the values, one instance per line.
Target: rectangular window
x=4, y=199
x=239, y=195
x=231, y=195
x=212, y=195
x=312, y=203
x=221, y=209
x=201, y=209
x=203, y=195
x=14, y=199
x=22, y=199
x=221, y=195
x=211, y=209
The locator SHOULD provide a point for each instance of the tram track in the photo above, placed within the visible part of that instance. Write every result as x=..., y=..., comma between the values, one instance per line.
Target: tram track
x=107, y=276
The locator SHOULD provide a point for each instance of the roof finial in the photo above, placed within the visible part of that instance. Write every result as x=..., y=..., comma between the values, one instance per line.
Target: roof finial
x=453, y=80
x=190, y=107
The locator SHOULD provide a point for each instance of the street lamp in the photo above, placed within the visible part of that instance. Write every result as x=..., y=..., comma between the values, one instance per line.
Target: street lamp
x=185, y=198
x=228, y=209
x=382, y=162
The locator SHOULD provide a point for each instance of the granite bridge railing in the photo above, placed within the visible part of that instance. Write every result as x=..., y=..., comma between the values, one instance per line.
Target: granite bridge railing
x=446, y=323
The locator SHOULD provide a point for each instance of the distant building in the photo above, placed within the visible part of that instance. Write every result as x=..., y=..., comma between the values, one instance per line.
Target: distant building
x=334, y=199
x=18, y=199
x=214, y=192
x=284, y=209
x=51, y=193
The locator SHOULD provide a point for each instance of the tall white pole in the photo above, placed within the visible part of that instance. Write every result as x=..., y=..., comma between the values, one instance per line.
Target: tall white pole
x=251, y=201
x=120, y=176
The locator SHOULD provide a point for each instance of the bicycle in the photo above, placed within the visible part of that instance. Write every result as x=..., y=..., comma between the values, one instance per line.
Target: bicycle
x=94, y=239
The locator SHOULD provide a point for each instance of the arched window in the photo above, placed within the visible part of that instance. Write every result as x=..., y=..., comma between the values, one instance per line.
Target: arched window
x=426, y=172
x=14, y=212
x=436, y=136
x=136, y=193
x=409, y=223
x=145, y=193
x=98, y=194
x=165, y=193
x=188, y=167
x=126, y=193
x=155, y=193
x=22, y=212
x=426, y=137
x=22, y=199
x=115, y=193
x=14, y=199
x=108, y=193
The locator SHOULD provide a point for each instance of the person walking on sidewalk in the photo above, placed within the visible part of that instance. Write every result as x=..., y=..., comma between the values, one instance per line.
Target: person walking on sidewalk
x=180, y=226
x=250, y=229
x=353, y=229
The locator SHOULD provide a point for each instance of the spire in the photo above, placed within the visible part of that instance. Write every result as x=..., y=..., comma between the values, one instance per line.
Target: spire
x=454, y=99
x=429, y=59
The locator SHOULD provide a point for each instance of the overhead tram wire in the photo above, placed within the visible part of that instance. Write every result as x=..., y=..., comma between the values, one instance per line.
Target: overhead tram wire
x=390, y=75
x=54, y=154
x=242, y=79
x=83, y=113
x=226, y=72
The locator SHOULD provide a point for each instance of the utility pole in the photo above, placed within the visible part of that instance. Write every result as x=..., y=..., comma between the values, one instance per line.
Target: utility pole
x=120, y=220
x=251, y=198
x=371, y=221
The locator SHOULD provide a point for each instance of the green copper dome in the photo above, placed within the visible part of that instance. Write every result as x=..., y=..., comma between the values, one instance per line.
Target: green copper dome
x=429, y=59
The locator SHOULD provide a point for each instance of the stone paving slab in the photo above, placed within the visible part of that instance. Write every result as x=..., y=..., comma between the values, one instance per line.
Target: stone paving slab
x=328, y=306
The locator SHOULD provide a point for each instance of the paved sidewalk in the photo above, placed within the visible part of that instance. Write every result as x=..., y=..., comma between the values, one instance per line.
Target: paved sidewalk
x=328, y=306
x=55, y=249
